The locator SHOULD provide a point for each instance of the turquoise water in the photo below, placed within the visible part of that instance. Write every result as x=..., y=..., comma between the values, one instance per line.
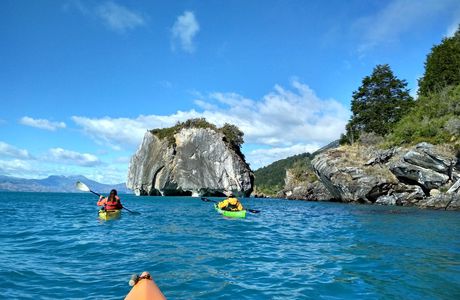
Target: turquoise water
x=52, y=246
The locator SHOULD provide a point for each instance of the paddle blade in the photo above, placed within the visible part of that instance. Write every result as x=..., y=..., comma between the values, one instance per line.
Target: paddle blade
x=254, y=211
x=82, y=187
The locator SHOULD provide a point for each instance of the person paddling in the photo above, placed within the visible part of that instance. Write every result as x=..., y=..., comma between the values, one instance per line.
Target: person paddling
x=112, y=202
x=231, y=204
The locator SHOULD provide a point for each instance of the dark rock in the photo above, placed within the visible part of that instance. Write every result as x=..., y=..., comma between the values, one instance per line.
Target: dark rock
x=303, y=188
x=310, y=191
x=442, y=201
x=352, y=183
x=403, y=195
x=381, y=157
x=454, y=188
x=387, y=200
x=412, y=174
x=424, y=166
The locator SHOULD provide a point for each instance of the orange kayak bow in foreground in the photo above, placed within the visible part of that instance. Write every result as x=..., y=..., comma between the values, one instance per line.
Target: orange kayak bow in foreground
x=144, y=288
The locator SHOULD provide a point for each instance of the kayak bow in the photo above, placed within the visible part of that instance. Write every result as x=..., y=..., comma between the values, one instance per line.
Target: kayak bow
x=145, y=288
x=231, y=214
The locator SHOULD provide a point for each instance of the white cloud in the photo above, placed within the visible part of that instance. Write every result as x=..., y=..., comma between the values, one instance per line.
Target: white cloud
x=396, y=18
x=15, y=167
x=14, y=152
x=121, y=160
x=126, y=133
x=57, y=161
x=205, y=105
x=284, y=118
x=115, y=16
x=184, y=30
x=41, y=123
x=110, y=174
x=262, y=157
x=118, y=17
x=72, y=158
x=166, y=84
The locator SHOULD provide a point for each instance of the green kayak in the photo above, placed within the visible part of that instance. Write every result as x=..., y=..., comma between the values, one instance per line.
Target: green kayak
x=231, y=214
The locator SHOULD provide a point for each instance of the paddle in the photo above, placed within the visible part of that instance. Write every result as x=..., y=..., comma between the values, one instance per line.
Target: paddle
x=84, y=188
x=254, y=211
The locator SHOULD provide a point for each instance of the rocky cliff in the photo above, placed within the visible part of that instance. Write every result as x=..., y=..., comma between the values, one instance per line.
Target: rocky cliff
x=192, y=161
x=303, y=186
x=424, y=175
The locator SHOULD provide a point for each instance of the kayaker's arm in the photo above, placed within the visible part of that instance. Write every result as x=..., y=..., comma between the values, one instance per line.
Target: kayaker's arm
x=102, y=201
x=222, y=204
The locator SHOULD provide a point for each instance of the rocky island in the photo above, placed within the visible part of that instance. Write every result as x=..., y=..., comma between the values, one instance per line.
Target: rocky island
x=194, y=158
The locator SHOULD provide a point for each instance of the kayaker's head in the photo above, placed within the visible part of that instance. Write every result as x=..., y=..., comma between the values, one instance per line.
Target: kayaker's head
x=112, y=195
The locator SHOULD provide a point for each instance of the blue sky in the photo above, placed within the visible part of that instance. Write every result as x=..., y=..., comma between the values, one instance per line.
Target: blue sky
x=82, y=81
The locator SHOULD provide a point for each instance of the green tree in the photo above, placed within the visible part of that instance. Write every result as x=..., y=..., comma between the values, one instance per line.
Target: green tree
x=442, y=66
x=233, y=135
x=378, y=104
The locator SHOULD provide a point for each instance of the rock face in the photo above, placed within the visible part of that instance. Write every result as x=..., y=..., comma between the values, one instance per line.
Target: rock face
x=419, y=176
x=303, y=189
x=425, y=167
x=348, y=180
x=199, y=163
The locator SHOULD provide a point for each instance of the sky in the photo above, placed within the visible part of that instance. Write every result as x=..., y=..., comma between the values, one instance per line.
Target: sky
x=81, y=81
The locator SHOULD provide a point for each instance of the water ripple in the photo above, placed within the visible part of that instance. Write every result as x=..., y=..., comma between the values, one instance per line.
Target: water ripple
x=291, y=250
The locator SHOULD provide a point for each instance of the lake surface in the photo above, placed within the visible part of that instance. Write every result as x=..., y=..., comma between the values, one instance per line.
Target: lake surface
x=53, y=246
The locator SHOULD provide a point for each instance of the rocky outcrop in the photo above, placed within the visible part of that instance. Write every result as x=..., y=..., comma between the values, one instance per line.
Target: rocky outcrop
x=441, y=201
x=424, y=166
x=346, y=177
x=197, y=162
x=419, y=176
x=303, y=188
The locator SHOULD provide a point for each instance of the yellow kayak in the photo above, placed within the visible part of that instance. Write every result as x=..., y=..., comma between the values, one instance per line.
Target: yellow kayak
x=109, y=214
x=145, y=289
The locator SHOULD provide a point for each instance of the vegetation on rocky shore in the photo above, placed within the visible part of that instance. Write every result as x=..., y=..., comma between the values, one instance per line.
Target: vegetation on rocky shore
x=232, y=134
x=384, y=115
x=270, y=179
x=383, y=108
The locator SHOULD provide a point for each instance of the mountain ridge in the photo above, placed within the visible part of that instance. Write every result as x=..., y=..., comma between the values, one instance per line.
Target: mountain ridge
x=56, y=184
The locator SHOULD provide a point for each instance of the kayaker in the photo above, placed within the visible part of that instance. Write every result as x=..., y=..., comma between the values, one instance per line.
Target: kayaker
x=231, y=203
x=112, y=202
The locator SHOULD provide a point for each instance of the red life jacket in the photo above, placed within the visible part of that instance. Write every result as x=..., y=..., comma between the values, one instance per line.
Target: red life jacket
x=115, y=204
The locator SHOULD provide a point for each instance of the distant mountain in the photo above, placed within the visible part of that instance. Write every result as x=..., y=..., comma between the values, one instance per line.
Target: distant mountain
x=54, y=183
x=270, y=179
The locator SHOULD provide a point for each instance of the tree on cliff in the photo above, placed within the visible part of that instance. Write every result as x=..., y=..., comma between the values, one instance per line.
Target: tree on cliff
x=233, y=135
x=442, y=66
x=378, y=104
